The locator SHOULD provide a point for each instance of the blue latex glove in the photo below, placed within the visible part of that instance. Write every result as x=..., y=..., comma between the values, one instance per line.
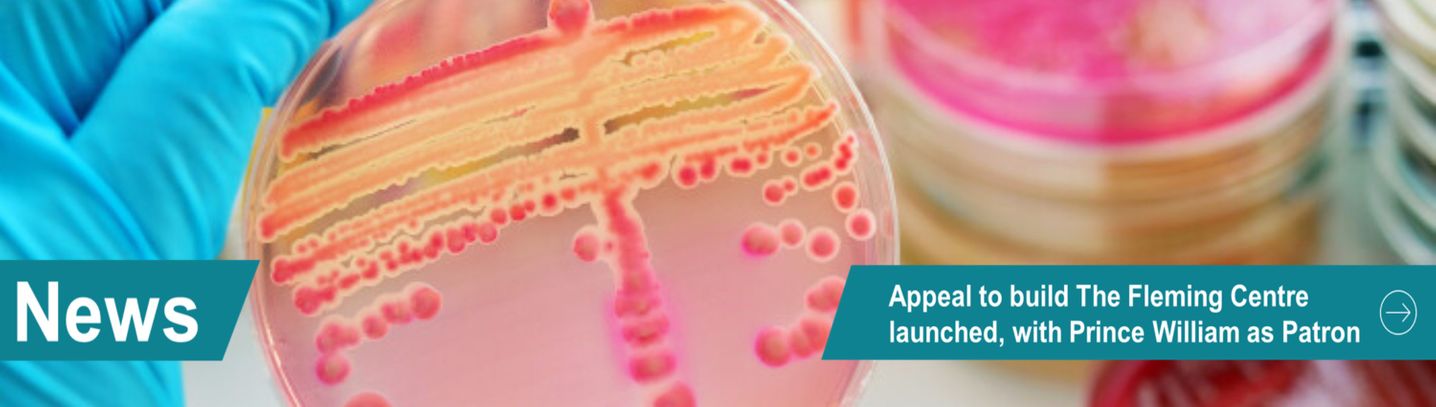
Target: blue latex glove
x=124, y=130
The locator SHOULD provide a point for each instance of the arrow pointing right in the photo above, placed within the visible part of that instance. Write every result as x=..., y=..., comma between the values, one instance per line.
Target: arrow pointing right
x=1405, y=313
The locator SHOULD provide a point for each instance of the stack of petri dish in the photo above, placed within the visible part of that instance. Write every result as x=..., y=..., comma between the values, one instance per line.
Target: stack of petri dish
x=1404, y=200
x=1107, y=132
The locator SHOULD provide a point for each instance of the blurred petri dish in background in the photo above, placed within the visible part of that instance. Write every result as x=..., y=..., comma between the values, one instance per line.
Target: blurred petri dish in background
x=1068, y=209
x=1154, y=131
x=534, y=203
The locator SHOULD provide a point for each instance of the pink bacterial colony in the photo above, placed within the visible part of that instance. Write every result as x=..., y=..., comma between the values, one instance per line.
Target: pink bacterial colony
x=602, y=116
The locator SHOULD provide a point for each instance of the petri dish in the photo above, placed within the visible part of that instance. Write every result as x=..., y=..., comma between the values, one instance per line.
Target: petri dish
x=1109, y=207
x=566, y=202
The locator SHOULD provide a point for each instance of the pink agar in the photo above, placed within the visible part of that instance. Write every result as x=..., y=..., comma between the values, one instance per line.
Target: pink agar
x=593, y=131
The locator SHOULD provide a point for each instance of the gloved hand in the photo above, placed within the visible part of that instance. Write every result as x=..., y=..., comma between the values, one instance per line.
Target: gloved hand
x=124, y=130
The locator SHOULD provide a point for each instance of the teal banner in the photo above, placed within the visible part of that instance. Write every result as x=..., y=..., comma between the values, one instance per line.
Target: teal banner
x=120, y=310
x=1135, y=312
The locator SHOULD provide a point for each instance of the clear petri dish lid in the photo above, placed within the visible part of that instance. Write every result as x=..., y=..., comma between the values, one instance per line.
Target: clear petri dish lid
x=1112, y=72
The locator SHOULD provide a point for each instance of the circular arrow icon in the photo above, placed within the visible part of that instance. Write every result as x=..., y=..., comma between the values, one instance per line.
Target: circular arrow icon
x=1398, y=312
